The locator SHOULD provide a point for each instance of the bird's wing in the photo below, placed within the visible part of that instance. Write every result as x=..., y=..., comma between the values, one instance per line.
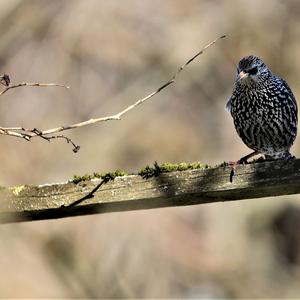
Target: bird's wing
x=290, y=93
x=228, y=105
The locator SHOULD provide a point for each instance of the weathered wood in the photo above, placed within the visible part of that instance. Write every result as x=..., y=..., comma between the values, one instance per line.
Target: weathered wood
x=27, y=203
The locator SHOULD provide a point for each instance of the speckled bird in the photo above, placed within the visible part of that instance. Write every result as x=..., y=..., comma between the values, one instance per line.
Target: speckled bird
x=264, y=110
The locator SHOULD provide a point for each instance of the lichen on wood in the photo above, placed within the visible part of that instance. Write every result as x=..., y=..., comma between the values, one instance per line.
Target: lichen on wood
x=133, y=192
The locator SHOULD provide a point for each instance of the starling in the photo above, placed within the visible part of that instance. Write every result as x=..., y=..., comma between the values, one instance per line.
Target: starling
x=264, y=110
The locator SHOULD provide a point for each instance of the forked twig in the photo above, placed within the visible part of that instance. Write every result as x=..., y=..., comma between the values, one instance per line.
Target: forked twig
x=27, y=134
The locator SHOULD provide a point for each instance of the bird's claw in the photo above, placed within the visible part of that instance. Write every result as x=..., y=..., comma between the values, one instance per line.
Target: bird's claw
x=289, y=157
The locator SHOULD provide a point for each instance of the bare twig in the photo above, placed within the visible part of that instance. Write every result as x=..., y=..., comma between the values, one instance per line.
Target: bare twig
x=27, y=134
x=138, y=102
x=9, y=87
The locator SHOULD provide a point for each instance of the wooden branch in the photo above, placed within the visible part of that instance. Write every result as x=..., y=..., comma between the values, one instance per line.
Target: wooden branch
x=265, y=179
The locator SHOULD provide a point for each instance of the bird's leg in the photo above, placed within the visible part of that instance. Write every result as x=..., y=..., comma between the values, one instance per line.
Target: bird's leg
x=243, y=160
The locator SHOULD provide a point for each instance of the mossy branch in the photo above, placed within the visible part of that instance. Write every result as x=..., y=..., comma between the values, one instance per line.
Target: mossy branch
x=103, y=193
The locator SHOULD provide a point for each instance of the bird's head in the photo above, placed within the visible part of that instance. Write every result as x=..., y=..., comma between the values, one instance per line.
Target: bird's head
x=252, y=70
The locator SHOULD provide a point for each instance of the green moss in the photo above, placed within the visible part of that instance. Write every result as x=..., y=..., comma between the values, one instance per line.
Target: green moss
x=18, y=189
x=104, y=176
x=148, y=171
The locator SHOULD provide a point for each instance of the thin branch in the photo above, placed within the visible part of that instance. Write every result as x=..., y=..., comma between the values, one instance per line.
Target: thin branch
x=138, y=102
x=49, y=138
x=27, y=134
x=31, y=84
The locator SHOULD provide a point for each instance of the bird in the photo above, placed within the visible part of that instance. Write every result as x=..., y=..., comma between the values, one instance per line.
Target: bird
x=264, y=110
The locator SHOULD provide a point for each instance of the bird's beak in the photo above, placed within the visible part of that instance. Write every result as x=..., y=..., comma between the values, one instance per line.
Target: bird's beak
x=242, y=75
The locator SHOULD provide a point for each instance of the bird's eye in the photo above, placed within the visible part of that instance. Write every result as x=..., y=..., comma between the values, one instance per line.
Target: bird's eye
x=253, y=71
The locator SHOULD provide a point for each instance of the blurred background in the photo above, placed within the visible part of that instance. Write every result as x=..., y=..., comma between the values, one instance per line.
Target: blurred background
x=112, y=53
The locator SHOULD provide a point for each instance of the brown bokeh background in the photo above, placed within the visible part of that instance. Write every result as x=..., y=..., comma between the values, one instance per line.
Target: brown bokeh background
x=112, y=53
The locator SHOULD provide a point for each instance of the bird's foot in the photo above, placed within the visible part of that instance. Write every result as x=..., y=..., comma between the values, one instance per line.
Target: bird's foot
x=288, y=156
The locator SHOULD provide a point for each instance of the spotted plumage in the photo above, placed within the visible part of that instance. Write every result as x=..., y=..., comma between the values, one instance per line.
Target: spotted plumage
x=264, y=109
